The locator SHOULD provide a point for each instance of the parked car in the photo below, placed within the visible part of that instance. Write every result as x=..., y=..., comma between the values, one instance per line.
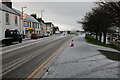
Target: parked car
x=41, y=36
x=46, y=35
x=34, y=36
x=11, y=36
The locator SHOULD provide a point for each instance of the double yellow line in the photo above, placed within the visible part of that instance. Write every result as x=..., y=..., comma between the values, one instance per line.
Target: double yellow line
x=40, y=69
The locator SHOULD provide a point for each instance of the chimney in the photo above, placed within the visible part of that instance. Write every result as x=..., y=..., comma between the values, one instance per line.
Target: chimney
x=40, y=20
x=34, y=15
x=8, y=3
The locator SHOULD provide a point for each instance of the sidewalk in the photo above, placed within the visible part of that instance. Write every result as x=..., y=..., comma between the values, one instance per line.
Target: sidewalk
x=26, y=39
x=85, y=60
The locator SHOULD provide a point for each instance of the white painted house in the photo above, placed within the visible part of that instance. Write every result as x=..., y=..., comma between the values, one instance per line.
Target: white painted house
x=9, y=19
x=31, y=25
x=49, y=26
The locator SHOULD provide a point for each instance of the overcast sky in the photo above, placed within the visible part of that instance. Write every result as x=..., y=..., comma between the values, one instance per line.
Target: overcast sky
x=63, y=14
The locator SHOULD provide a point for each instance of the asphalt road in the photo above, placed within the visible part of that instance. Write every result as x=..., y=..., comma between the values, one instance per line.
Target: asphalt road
x=25, y=42
x=21, y=62
x=85, y=61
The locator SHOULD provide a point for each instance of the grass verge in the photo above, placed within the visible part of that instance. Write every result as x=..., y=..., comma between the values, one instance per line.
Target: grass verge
x=92, y=40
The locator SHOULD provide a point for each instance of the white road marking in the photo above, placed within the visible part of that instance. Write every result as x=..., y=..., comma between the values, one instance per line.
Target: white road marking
x=16, y=63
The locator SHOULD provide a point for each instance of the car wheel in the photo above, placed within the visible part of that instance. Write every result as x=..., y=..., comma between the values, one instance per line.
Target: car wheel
x=10, y=43
x=20, y=41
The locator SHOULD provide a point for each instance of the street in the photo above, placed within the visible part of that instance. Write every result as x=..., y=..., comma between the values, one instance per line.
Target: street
x=19, y=63
x=59, y=40
x=43, y=59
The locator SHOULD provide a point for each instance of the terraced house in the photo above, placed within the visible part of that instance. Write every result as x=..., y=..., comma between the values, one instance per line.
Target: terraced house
x=31, y=25
x=43, y=26
x=49, y=26
x=9, y=19
x=12, y=18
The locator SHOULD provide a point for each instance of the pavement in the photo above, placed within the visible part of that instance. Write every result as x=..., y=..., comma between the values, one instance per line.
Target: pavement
x=85, y=60
x=27, y=40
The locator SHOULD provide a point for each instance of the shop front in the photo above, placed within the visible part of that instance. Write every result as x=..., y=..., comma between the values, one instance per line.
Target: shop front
x=28, y=32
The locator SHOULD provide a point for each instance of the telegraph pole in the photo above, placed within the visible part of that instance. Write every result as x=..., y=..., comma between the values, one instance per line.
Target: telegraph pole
x=42, y=13
x=22, y=22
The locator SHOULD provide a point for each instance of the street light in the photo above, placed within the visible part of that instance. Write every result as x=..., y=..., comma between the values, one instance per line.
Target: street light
x=22, y=10
x=42, y=13
x=42, y=16
x=22, y=21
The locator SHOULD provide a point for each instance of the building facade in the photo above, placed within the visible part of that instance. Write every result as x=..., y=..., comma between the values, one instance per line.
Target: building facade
x=43, y=26
x=36, y=24
x=30, y=25
x=49, y=26
x=9, y=18
x=55, y=29
x=26, y=24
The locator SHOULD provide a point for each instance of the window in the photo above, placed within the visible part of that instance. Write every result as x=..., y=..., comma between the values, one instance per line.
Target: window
x=30, y=24
x=16, y=20
x=33, y=25
x=26, y=24
x=38, y=25
x=7, y=19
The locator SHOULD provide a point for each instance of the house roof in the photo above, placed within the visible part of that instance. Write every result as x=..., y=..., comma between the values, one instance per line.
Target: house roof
x=28, y=17
x=40, y=20
x=15, y=11
x=33, y=19
x=49, y=23
x=7, y=9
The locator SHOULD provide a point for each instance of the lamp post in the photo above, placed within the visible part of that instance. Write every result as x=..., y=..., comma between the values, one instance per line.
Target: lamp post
x=22, y=21
x=42, y=16
x=42, y=13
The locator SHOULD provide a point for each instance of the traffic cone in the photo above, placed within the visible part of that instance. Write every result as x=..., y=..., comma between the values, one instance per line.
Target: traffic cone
x=72, y=45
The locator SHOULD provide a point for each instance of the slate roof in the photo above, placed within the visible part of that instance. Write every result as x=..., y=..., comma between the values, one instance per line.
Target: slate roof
x=49, y=23
x=28, y=17
x=7, y=9
x=15, y=11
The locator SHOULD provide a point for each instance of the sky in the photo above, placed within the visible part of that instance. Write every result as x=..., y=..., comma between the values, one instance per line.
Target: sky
x=63, y=14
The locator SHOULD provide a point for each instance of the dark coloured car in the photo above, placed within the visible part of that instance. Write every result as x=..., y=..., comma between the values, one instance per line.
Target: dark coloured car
x=46, y=35
x=41, y=36
x=12, y=36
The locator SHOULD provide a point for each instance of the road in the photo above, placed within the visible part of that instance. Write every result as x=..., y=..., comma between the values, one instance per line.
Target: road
x=22, y=61
x=25, y=43
x=85, y=61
